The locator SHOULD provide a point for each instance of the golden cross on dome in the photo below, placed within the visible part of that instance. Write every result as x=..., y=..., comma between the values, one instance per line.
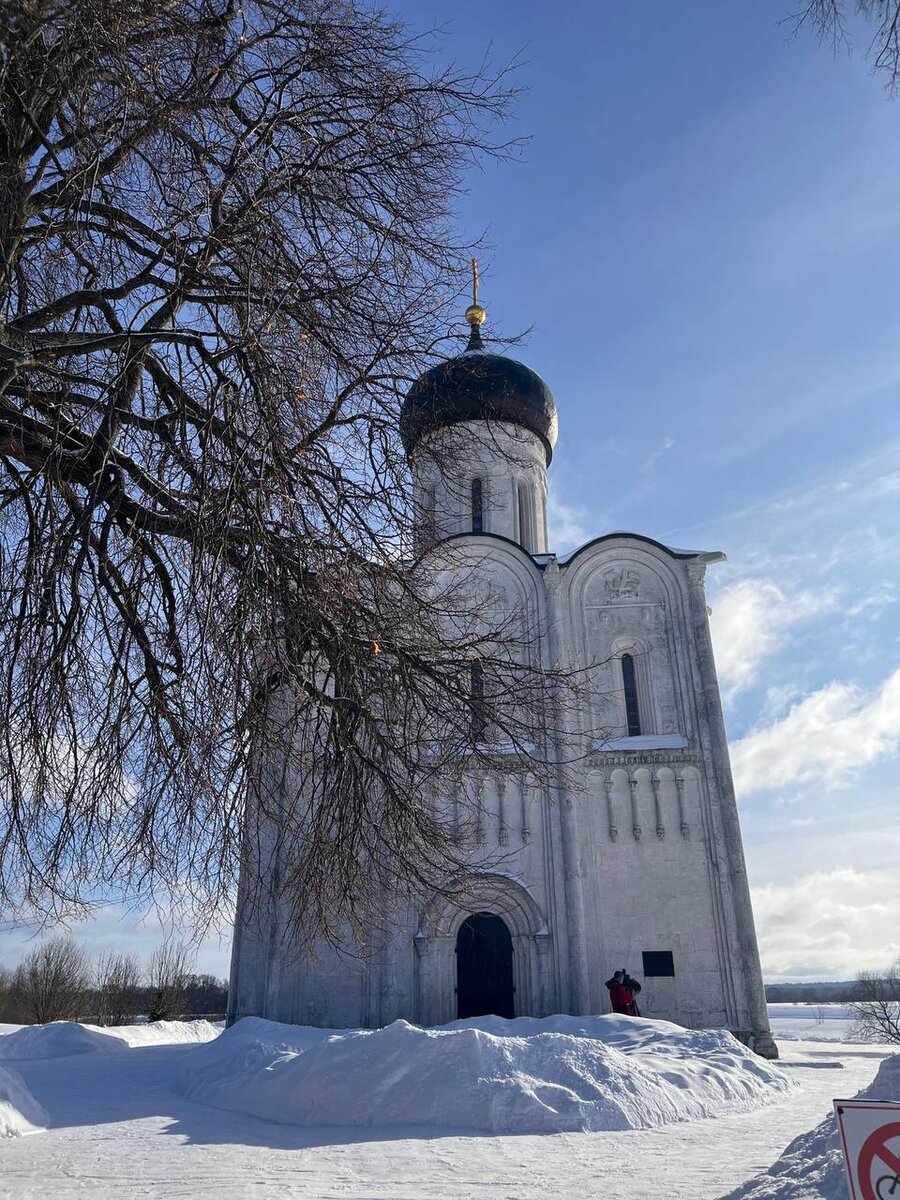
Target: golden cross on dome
x=475, y=314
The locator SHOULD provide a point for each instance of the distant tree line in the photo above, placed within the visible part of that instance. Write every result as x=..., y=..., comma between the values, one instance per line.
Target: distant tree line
x=873, y=999
x=827, y=992
x=58, y=981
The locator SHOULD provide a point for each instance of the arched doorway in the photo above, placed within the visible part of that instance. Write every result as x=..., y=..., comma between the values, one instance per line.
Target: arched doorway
x=484, y=967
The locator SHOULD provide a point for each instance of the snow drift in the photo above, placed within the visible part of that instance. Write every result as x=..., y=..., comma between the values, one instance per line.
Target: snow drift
x=56, y=1040
x=19, y=1111
x=60, y=1039
x=497, y=1076
x=813, y=1166
x=164, y=1033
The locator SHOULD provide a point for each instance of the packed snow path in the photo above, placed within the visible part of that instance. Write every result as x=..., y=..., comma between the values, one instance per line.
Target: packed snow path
x=120, y=1129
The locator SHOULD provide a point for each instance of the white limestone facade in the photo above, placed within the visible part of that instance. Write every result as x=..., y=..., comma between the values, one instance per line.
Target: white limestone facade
x=632, y=859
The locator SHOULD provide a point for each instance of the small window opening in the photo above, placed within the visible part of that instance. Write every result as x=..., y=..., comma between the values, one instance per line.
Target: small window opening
x=428, y=535
x=478, y=722
x=629, y=682
x=658, y=962
x=477, y=506
x=526, y=516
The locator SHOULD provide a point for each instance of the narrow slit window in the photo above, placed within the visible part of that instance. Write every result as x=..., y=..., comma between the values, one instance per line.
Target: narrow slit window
x=526, y=538
x=429, y=518
x=478, y=723
x=477, y=506
x=629, y=682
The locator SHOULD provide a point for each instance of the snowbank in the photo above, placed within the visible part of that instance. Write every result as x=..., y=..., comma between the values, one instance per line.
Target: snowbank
x=490, y=1074
x=56, y=1040
x=19, y=1111
x=812, y=1166
x=164, y=1033
x=63, y=1038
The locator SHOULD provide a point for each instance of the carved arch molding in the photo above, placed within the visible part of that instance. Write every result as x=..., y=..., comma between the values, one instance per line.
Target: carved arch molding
x=435, y=941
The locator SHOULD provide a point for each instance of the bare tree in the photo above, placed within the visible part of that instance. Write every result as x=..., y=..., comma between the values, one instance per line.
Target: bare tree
x=205, y=995
x=7, y=997
x=169, y=969
x=225, y=250
x=877, y=1005
x=829, y=19
x=51, y=982
x=117, y=980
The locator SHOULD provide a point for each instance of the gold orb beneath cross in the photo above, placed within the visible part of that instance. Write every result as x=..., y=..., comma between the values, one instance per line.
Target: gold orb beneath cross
x=475, y=314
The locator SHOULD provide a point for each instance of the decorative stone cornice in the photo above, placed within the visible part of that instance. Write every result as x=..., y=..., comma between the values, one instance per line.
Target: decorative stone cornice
x=641, y=758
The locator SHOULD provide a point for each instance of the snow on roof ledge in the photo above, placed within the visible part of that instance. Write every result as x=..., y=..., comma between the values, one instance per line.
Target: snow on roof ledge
x=645, y=741
x=704, y=556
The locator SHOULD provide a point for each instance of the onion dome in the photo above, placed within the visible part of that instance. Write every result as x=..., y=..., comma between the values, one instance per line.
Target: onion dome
x=478, y=386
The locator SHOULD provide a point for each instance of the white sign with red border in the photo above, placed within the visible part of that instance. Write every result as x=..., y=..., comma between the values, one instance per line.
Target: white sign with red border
x=870, y=1138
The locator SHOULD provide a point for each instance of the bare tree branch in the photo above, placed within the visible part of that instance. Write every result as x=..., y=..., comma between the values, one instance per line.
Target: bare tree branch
x=877, y=1006
x=225, y=251
x=829, y=19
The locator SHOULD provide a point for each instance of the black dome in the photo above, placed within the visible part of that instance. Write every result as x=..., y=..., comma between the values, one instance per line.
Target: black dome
x=477, y=386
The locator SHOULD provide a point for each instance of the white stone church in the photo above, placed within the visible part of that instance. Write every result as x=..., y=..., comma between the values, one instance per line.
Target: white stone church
x=641, y=864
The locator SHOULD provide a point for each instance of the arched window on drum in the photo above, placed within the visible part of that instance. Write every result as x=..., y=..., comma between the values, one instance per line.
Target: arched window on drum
x=525, y=515
x=427, y=527
x=477, y=497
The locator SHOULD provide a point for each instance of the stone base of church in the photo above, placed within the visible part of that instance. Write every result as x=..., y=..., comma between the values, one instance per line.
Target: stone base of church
x=760, y=1041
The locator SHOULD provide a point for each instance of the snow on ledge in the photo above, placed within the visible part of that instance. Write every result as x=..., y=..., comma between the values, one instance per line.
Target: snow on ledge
x=493, y=1075
x=645, y=741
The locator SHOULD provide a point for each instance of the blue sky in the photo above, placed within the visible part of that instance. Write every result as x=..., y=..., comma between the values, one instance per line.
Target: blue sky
x=702, y=236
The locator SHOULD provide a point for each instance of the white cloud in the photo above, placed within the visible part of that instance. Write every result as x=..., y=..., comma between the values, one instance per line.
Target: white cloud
x=749, y=623
x=655, y=455
x=566, y=526
x=116, y=928
x=826, y=739
x=874, y=604
x=779, y=699
x=829, y=924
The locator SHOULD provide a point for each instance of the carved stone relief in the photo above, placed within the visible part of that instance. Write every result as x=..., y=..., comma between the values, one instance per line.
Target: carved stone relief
x=621, y=583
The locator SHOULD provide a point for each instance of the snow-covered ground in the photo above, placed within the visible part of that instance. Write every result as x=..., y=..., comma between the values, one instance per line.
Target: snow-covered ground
x=20, y=1113
x=127, y=1120
x=813, y=1164
x=812, y=1022
x=489, y=1075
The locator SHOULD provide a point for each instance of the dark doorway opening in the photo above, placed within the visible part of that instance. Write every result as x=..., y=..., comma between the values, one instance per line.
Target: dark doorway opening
x=484, y=974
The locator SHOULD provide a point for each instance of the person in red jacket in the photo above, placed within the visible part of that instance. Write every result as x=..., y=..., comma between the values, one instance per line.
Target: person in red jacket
x=629, y=990
x=614, y=987
x=622, y=991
